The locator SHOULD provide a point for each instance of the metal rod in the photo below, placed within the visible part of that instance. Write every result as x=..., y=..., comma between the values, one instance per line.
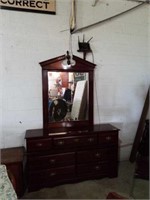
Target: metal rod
x=102, y=21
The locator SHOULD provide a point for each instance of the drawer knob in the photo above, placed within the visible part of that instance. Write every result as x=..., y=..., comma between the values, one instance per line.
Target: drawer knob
x=76, y=140
x=108, y=138
x=90, y=139
x=52, y=161
x=61, y=142
x=39, y=144
x=52, y=174
x=97, y=167
x=97, y=155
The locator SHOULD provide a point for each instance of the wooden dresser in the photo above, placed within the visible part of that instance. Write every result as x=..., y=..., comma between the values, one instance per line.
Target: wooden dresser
x=71, y=156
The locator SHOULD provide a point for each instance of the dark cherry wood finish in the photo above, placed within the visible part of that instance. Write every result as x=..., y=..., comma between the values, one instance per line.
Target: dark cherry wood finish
x=71, y=156
x=70, y=151
x=55, y=64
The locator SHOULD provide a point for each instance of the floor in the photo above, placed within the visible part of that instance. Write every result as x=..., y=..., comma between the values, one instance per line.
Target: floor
x=124, y=185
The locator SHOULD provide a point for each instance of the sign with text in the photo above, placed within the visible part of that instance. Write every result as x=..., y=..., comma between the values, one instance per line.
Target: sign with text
x=42, y=6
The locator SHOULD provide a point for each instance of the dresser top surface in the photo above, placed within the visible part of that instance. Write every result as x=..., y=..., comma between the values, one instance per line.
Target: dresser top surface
x=35, y=133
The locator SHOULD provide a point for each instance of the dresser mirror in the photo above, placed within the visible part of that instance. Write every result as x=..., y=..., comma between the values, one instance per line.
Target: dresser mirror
x=67, y=94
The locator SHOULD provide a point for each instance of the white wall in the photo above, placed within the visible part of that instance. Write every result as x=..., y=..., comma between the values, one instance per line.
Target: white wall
x=120, y=48
x=1, y=81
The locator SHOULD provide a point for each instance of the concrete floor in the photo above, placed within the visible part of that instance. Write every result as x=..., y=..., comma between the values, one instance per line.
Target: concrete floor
x=124, y=185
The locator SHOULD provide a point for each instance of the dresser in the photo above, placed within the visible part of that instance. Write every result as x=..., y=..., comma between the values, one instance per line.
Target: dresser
x=71, y=156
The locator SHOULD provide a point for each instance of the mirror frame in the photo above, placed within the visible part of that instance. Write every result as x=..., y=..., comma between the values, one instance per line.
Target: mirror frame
x=55, y=65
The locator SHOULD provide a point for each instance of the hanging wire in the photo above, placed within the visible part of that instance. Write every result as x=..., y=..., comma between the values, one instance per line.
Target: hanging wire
x=70, y=44
x=92, y=56
x=96, y=94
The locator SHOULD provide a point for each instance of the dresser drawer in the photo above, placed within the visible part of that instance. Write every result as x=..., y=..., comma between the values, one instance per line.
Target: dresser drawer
x=91, y=156
x=53, y=174
x=108, y=138
x=94, y=168
x=75, y=141
x=39, y=145
x=50, y=161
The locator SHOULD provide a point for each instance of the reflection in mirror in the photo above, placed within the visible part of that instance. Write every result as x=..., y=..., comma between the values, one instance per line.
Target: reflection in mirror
x=67, y=96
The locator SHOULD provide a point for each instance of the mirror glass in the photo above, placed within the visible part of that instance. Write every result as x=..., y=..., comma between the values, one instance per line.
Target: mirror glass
x=68, y=96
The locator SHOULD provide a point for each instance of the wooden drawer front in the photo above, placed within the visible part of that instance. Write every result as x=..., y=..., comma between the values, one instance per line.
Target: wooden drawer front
x=52, y=174
x=39, y=145
x=92, y=168
x=89, y=156
x=75, y=141
x=108, y=138
x=55, y=160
